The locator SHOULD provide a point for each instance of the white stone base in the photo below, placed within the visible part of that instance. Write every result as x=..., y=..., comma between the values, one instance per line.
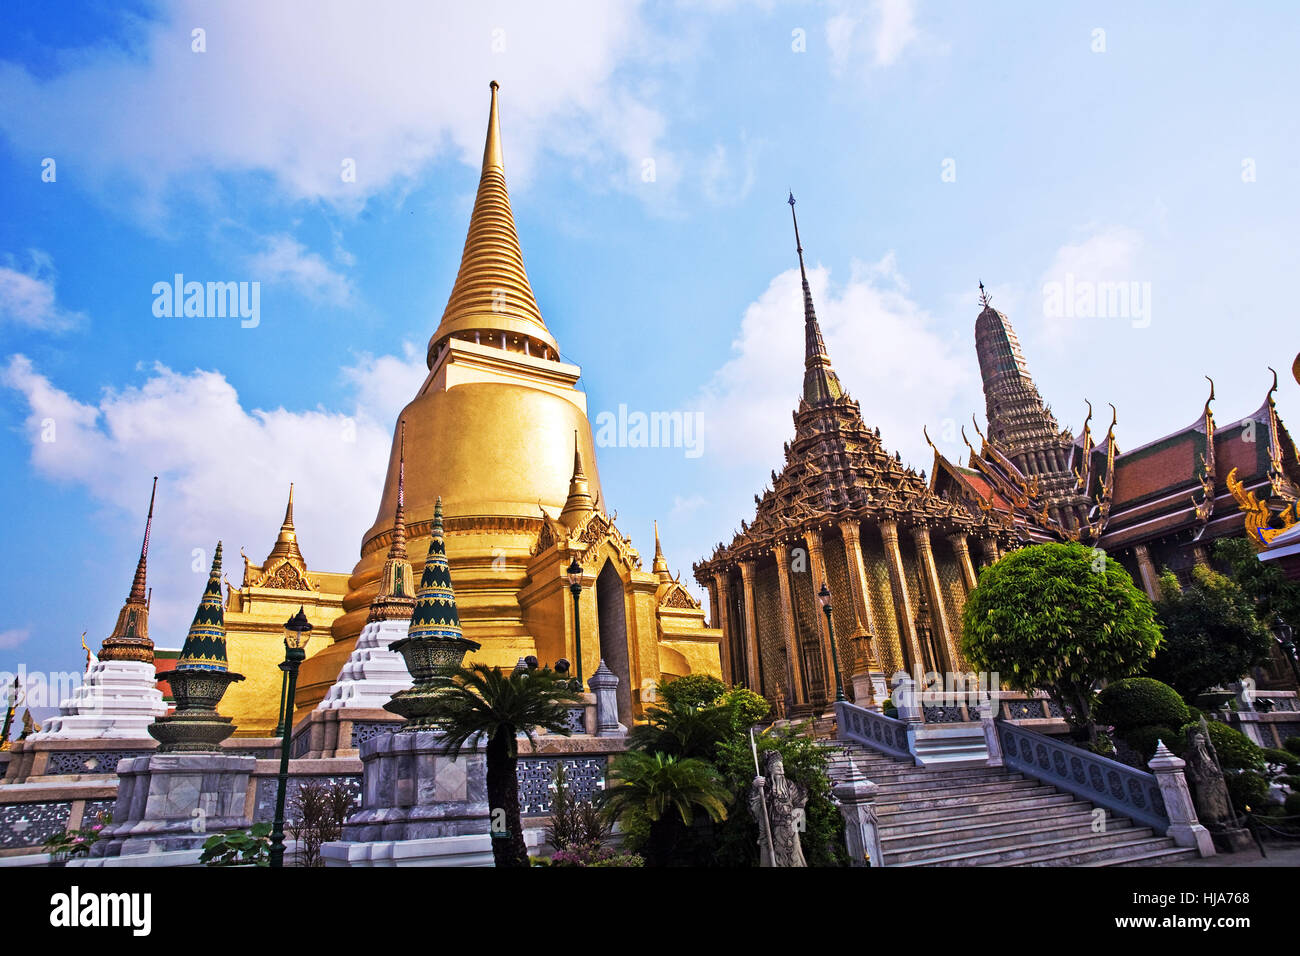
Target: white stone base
x=117, y=700
x=372, y=673
x=471, y=850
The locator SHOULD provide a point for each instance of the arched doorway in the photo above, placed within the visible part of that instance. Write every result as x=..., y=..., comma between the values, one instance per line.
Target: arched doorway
x=611, y=609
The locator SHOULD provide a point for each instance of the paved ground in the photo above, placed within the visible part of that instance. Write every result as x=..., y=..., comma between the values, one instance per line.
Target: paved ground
x=1279, y=854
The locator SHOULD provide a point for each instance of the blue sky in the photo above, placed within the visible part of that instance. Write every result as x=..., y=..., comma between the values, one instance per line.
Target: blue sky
x=930, y=145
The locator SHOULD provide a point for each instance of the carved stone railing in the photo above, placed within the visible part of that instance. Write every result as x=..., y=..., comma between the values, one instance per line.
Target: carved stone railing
x=872, y=729
x=1107, y=783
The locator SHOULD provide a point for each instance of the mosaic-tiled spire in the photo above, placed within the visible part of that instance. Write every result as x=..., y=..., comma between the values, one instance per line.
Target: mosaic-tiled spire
x=129, y=640
x=205, y=645
x=396, y=597
x=435, y=612
x=820, y=383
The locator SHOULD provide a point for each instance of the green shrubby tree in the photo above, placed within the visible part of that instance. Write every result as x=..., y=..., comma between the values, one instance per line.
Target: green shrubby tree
x=1212, y=634
x=667, y=795
x=1060, y=618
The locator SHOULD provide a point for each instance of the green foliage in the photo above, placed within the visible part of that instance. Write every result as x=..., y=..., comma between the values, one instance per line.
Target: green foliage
x=682, y=730
x=692, y=690
x=1061, y=618
x=491, y=701
x=77, y=842
x=805, y=764
x=1212, y=636
x=239, y=847
x=483, y=702
x=1292, y=744
x=316, y=815
x=745, y=707
x=1284, y=760
x=1140, y=702
x=1248, y=790
x=1266, y=586
x=1292, y=806
x=1143, y=740
x=574, y=823
x=663, y=794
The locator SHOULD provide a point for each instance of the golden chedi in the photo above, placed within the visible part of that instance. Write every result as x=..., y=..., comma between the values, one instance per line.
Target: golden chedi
x=493, y=432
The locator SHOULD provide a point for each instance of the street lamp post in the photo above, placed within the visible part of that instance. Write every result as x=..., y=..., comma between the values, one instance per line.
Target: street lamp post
x=574, y=572
x=824, y=596
x=284, y=686
x=297, y=631
x=1285, y=637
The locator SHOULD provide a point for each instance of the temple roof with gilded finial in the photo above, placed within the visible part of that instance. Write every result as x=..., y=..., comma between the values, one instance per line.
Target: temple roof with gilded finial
x=492, y=292
x=284, y=568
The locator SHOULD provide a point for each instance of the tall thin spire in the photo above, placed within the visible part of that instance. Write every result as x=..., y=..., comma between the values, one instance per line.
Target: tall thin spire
x=205, y=644
x=435, y=614
x=492, y=297
x=286, y=542
x=129, y=639
x=660, y=566
x=138, y=583
x=579, y=503
x=398, y=548
x=820, y=383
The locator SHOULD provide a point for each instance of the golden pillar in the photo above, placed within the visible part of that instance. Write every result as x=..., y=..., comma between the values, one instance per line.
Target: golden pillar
x=797, y=692
x=817, y=565
x=930, y=575
x=1201, y=556
x=962, y=548
x=722, y=585
x=866, y=624
x=1150, y=582
x=902, y=602
x=989, y=550
x=751, y=627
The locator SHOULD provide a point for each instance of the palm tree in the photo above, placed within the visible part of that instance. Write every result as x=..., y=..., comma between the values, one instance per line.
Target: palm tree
x=500, y=705
x=666, y=790
x=682, y=729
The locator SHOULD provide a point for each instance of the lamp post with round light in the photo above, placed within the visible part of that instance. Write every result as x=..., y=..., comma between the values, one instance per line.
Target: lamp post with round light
x=824, y=596
x=297, y=631
x=574, y=572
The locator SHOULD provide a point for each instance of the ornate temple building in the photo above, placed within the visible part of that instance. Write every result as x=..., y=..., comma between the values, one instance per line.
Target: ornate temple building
x=896, y=556
x=493, y=431
x=1157, y=506
x=268, y=595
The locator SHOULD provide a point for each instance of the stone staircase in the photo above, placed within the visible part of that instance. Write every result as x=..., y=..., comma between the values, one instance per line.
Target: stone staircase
x=991, y=816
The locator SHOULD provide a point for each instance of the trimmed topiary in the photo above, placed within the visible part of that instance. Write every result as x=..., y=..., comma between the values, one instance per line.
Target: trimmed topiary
x=1141, y=702
x=1292, y=805
x=1292, y=744
x=692, y=690
x=1249, y=790
x=1288, y=761
x=1143, y=740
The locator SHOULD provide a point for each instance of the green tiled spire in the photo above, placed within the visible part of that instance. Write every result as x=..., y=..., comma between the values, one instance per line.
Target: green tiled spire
x=435, y=613
x=205, y=645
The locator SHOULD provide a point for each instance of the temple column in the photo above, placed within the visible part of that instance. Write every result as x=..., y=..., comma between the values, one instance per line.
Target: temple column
x=817, y=564
x=962, y=548
x=866, y=625
x=989, y=550
x=1201, y=556
x=1150, y=582
x=930, y=574
x=751, y=627
x=722, y=585
x=795, y=675
x=902, y=602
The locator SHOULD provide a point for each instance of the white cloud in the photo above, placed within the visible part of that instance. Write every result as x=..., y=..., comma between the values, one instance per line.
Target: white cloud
x=295, y=88
x=13, y=637
x=224, y=469
x=27, y=297
x=284, y=259
x=884, y=347
x=876, y=35
x=1106, y=255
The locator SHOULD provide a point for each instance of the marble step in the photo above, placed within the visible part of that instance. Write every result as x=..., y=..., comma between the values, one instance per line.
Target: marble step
x=1016, y=820
x=1037, y=852
x=896, y=796
x=1159, y=857
x=1028, y=835
x=1004, y=803
x=1153, y=851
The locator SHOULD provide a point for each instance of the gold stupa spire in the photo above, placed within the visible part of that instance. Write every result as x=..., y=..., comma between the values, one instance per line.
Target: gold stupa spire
x=492, y=301
x=286, y=542
x=660, y=566
x=579, y=503
x=396, y=598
